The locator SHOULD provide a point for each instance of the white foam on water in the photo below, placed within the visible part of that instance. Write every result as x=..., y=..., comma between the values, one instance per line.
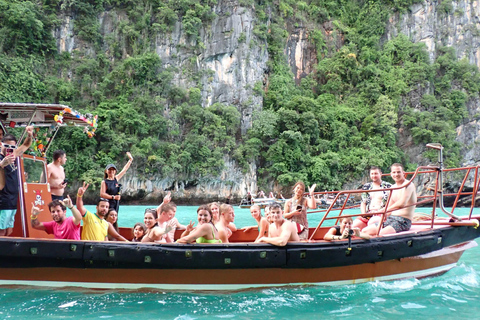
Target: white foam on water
x=397, y=285
x=446, y=297
x=411, y=305
x=68, y=305
x=377, y=299
x=342, y=310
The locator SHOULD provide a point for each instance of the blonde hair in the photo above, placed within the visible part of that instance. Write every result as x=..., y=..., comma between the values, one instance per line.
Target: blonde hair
x=224, y=208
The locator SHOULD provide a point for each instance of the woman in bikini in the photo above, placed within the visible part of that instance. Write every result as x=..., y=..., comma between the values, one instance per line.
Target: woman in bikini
x=205, y=232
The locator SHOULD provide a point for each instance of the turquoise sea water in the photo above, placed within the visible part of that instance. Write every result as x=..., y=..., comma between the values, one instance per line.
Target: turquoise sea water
x=454, y=294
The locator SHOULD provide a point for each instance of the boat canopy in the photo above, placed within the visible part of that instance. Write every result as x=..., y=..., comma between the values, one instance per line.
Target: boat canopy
x=43, y=115
x=51, y=116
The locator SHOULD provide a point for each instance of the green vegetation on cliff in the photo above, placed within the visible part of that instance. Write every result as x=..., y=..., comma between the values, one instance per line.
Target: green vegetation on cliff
x=342, y=118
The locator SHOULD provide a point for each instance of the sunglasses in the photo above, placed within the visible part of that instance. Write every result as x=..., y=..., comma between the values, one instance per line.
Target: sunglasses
x=8, y=146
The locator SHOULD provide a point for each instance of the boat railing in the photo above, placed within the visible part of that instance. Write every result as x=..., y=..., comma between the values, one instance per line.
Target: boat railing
x=438, y=193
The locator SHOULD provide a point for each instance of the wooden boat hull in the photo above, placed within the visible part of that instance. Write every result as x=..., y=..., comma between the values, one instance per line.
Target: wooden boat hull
x=107, y=265
x=235, y=279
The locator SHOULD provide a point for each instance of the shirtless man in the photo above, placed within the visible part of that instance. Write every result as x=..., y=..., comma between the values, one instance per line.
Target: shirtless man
x=281, y=231
x=227, y=216
x=56, y=174
x=400, y=207
x=372, y=201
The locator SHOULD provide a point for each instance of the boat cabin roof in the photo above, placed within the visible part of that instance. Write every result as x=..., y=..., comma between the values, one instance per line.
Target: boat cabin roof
x=46, y=115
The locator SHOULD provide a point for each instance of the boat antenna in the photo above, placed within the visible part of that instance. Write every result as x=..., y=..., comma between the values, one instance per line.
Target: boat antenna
x=439, y=148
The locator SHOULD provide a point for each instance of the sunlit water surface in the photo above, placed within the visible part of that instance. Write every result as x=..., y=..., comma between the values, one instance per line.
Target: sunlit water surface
x=454, y=294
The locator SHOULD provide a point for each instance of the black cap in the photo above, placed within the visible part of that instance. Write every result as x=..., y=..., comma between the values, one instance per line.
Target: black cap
x=111, y=165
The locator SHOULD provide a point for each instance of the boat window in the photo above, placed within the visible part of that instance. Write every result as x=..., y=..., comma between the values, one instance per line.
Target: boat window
x=34, y=170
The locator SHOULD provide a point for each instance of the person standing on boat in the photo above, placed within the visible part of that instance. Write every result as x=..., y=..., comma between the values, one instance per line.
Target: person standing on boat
x=95, y=227
x=61, y=226
x=401, y=207
x=56, y=174
x=296, y=208
x=9, y=184
x=110, y=188
x=281, y=231
x=372, y=201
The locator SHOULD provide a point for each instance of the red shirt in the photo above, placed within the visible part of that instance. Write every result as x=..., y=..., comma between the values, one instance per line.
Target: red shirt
x=66, y=230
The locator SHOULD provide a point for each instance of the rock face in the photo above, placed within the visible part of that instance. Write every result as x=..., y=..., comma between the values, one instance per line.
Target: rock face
x=230, y=60
x=445, y=23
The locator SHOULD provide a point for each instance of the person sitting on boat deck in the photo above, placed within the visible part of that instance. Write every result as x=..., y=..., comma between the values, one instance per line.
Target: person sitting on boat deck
x=401, y=207
x=267, y=215
x=61, y=226
x=9, y=183
x=262, y=222
x=95, y=227
x=281, y=231
x=205, y=232
x=112, y=217
x=372, y=201
x=344, y=230
x=227, y=216
x=159, y=231
x=173, y=222
x=110, y=188
x=139, y=230
x=215, y=209
x=296, y=208
x=56, y=174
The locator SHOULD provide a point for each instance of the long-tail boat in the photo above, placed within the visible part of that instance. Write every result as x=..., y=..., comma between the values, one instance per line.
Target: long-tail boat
x=33, y=258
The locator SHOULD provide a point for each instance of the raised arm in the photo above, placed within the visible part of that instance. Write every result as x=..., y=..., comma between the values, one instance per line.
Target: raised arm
x=312, y=204
x=80, y=193
x=125, y=168
x=166, y=199
x=77, y=216
x=34, y=221
x=26, y=144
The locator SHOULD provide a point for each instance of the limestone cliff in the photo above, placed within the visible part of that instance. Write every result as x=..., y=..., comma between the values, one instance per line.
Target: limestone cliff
x=445, y=23
x=230, y=60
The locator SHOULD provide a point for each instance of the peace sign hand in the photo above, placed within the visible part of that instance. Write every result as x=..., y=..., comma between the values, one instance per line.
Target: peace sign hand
x=82, y=190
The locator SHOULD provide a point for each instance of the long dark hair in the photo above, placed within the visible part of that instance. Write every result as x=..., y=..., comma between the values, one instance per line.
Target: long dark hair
x=153, y=211
x=144, y=228
x=115, y=225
